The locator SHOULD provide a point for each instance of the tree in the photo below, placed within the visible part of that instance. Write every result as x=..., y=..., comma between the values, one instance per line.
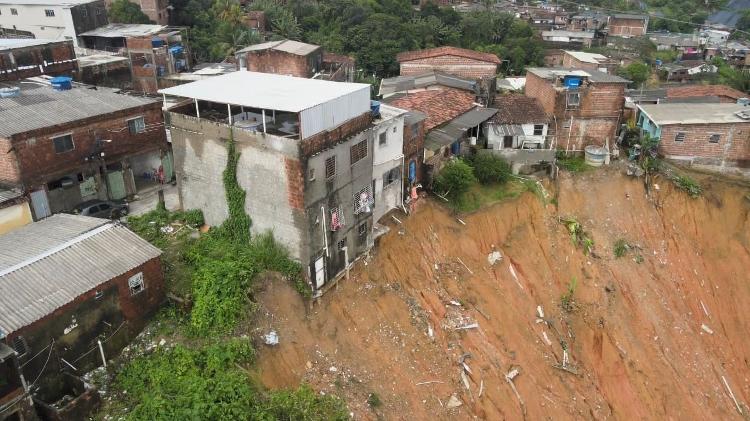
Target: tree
x=489, y=168
x=455, y=179
x=638, y=72
x=123, y=11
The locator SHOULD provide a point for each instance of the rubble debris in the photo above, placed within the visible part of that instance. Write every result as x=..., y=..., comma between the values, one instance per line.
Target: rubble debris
x=465, y=380
x=461, y=221
x=707, y=329
x=494, y=257
x=464, y=264
x=397, y=220
x=731, y=395
x=540, y=312
x=428, y=382
x=271, y=338
x=453, y=402
x=469, y=326
x=512, y=374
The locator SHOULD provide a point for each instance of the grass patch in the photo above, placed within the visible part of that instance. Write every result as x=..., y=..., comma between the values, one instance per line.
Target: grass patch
x=572, y=163
x=373, y=400
x=620, y=248
x=579, y=237
x=567, y=300
x=483, y=195
x=687, y=184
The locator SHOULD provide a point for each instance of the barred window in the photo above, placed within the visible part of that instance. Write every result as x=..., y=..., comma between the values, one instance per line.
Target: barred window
x=337, y=218
x=362, y=229
x=391, y=176
x=341, y=244
x=358, y=151
x=20, y=346
x=49, y=13
x=330, y=167
x=136, y=125
x=714, y=138
x=363, y=201
x=63, y=143
x=679, y=137
x=538, y=129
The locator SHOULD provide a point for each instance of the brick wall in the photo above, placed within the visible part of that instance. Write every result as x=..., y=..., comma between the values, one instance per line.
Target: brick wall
x=627, y=27
x=570, y=61
x=282, y=63
x=414, y=149
x=115, y=306
x=733, y=146
x=328, y=139
x=459, y=66
x=52, y=59
x=541, y=89
x=35, y=151
x=296, y=183
x=9, y=172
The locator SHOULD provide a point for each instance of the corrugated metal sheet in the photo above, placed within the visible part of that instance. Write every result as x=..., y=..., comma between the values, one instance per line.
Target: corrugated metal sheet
x=331, y=114
x=58, y=259
x=457, y=128
x=124, y=30
x=506, y=129
x=405, y=83
x=9, y=194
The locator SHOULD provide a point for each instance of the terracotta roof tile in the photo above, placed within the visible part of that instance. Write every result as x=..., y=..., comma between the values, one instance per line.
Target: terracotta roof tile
x=447, y=51
x=518, y=109
x=440, y=105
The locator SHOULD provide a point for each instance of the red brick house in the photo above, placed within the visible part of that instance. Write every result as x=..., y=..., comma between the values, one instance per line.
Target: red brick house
x=586, y=106
x=715, y=136
x=294, y=58
x=83, y=143
x=71, y=289
x=22, y=58
x=451, y=60
x=627, y=25
x=588, y=61
x=256, y=20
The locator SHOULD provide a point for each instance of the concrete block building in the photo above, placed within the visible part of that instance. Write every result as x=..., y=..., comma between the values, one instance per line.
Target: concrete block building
x=627, y=25
x=585, y=106
x=64, y=147
x=588, y=61
x=67, y=284
x=294, y=58
x=306, y=160
x=451, y=60
x=50, y=19
x=711, y=135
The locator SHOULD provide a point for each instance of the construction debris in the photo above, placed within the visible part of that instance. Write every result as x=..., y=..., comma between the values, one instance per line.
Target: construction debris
x=540, y=312
x=470, y=326
x=429, y=382
x=707, y=329
x=731, y=395
x=453, y=402
x=271, y=338
x=464, y=264
x=512, y=374
x=494, y=257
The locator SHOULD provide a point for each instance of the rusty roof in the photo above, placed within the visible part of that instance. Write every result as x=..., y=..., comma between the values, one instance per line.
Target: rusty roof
x=447, y=51
x=439, y=105
x=518, y=109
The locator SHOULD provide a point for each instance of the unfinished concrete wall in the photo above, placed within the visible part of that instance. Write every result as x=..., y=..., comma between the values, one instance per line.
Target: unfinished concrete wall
x=266, y=171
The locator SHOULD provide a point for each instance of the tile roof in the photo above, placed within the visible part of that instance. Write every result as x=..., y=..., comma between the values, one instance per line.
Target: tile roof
x=439, y=105
x=47, y=264
x=705, y=90
x=446, y=51
x=518, y=109
x=40, y=106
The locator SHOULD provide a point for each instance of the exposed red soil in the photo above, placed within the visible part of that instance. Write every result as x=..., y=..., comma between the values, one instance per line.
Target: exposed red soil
x=635, y=336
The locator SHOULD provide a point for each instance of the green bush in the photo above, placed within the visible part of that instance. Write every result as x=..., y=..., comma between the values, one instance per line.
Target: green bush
x=572, y=163
x=620, y=248
x=301, y=404
x=489, y=168
x=690, y=186
x=455, y=179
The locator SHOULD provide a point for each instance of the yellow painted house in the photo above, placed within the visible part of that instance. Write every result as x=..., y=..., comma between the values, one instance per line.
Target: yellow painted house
x=14, y=210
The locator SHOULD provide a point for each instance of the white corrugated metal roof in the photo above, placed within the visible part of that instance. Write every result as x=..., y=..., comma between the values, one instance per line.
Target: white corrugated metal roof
x=683, y=113
x=587, y=57
x=46, y=265
x=8, y=194
x=265, y=90
x=287, y=46
x=124, y=30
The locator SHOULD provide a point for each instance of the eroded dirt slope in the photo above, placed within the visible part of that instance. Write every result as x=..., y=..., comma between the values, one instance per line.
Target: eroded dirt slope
x=638, y=348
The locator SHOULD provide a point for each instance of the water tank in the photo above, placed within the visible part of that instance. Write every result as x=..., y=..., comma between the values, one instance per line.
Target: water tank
x=10, y=92
x=375, y=108
x=157, y=42
x=595, y=155
x=572, y=81
x=743, y=101
x=61, y=83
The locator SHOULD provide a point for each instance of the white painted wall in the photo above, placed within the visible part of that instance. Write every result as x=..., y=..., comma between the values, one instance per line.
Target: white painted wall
x=387, y=157
x=495, y=140
x=32, y=18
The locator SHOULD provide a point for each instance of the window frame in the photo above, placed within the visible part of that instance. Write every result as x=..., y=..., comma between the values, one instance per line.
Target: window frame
x=541, y=129
x=570, y=104
x=383, y=138
x=13, y=12
x=134, y=288
x=680, y=137
x=136, y=119
x=50, y=13
x=357, y=149
x=711, y=136
x=332, y=160
x=60, y=136
x=362, y=229
x=20, y=339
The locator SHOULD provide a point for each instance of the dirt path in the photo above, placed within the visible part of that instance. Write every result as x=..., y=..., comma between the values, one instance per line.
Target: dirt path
x=636, y=340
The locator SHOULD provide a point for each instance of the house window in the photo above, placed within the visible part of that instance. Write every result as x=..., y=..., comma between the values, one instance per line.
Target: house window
x=84, y=12
x=363, y=201
x=382, y=138
x=49, y=13
x=98, y=11
x=337, y=218
x=391, y=176
x=538, y=129
x=63, y=143
x=358, y=152
x=136, y=125
x=679, y=137
x=574, y=99
x=98, y=295
x=135, y=283
x=20, y=345
x=13, y=12
x=714, y=138
x=330, y=167
x=414, y=130
x=341, y=244
x=362, y=229
x=311, y=174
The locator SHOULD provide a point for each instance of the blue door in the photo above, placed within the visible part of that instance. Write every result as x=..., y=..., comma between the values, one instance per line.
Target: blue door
x=455, y=146
x=412, y=170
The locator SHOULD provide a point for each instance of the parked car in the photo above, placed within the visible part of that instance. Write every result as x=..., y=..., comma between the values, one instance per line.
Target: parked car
x=102, y=209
